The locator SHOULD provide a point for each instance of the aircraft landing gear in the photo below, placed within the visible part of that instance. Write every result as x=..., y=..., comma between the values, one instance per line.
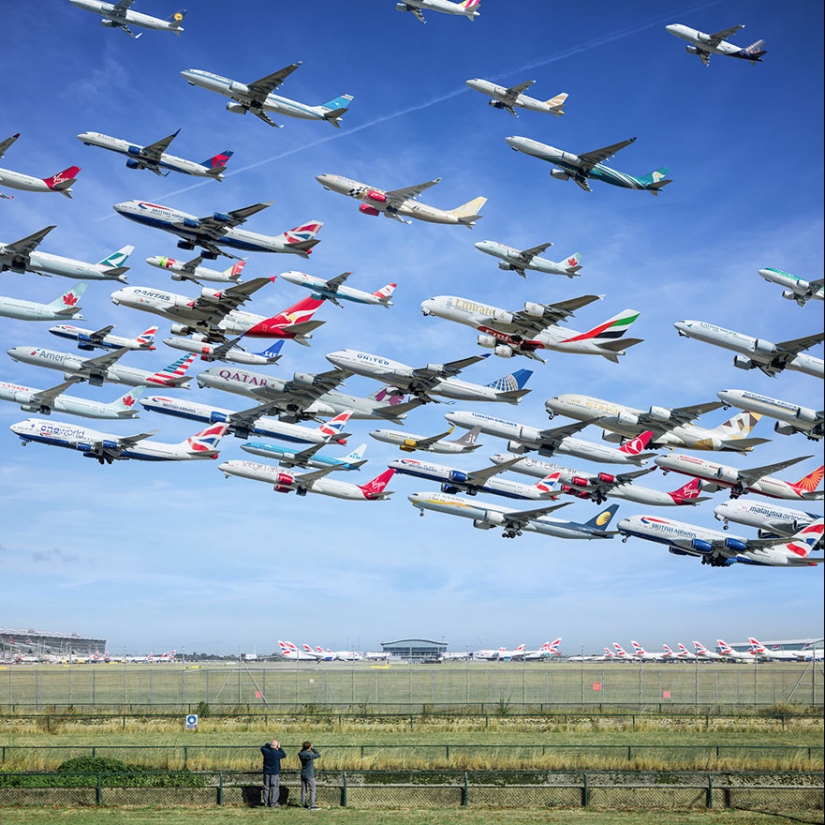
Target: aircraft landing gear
x=725, y=526
x=624, y=539
x=421, y=513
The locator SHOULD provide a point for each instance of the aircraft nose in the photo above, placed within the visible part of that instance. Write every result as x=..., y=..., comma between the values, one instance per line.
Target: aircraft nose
x=426, y=306
x=681, y=327
x=187, y=75
x=324, y=180
x=121, y=207
x=116, y=296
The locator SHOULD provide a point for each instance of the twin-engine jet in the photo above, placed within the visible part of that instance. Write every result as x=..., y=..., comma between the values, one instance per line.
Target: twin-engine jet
x=193, y=271
x=705, y=45
x=228, y=351
x=61, y=182
x=43, y=402
x=258, y=97
x=120, y=16
x=520, y=260
x=410, y=442
x=790, y=418
x=91, y=339
x=525, y=331
x=306, y=457
x=64, y=306
x=509, y=98
x=401, y=204
x=220, y=229
x=333, y=289
x=769, y=519
x=796, y=289
x=467, y=8
x=155, y=158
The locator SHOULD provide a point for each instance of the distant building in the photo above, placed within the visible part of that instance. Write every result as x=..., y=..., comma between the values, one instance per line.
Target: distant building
x=783, y=644
x=415, y=650
x=16, y=640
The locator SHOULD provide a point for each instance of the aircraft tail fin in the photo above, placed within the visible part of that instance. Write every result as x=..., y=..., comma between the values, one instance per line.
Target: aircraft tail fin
x=376, y=488
x=292, y=322
x=739, y=426
x=634, y=446
x=599, y=522
x=754, y=52
x=116, y=260
x=806, y=539
x=688, y=493
x=175, y=374
x=512, y=383
x=806, y=486
x=146, y=338
x=62, y=181
x=337, y=107
x=301, y=239
x=65, y=305
x=556, y=103
x=572, y=265
x=127, y=401
x=656, y=180
x=467, y=214
x=470, y=8
x=176, y=19
x=206, y=443
x=384, y=294
x=333, y=430
x=234, y=272
x=609, y=331
x=469, y=439
x=356, y=457
x=273, y=353
x=214, y=166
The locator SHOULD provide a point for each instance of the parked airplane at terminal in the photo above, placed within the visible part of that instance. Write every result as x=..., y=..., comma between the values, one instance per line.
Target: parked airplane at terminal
x=685, y=654
x=547, y=650
x=44, y=401
x=703, y=653
x=307, y=456
x=90, y=339
x=467, y=8
x=108, y=447
x=193, y=271
x=727, y=652
x=220, y=229
x=61, y=182
x=409, y=442
x=509, y=98
x=258, y=97
x=757, y=353
x=791, y=418
x=64, y=306
x=589, y=166
x=290, y=651
x=770, y=519
x=523, y=332
x=400, y=204
x=334, y=290
x=228, y=351
x=705, y=45
x=120, y=16
x=761, y=652
x=520, y=260
x=797, y=289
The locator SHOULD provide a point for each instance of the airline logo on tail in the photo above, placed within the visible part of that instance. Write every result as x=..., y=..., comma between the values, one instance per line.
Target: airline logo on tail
x=688, y=492
x=334, y=427
x=620, y=651
x=305, y=232
x=72, y=297
x=177, y=369
x=806, y=539
x=636, y=445
x=218, y=161
x=810, y=482
x=208, y=440
x=611, y=329
x=376, y=487
x=392, y=398
x=146, y=338
x=550, y=483
x=62, y=179
x=740, y=425
x=512, y=382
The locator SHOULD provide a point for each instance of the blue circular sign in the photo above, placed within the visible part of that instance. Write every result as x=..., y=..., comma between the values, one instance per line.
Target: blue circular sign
x=192, y=720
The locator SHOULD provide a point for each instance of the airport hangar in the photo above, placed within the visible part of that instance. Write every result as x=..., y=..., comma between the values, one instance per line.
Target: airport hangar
x=415, y=650
x=15, y=640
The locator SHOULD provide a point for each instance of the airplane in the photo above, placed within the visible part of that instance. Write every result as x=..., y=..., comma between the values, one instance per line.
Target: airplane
x=409, y=442
x=154, y=157
x=790, y=418
x=487, y=516
x=64, y=306
x=547, y=650
x=21, y=256
x=705, y=45
x=61, y=182
x=508, y=98
x=120, y=16
x=469, y=8
x=546, y=442
x=90, y=339
x=227, y=352
x=727, y=652
x=432, y=379
x=259, y=97
x=308, y=396
x=104, y=367
x=757, y=353
x=672, y=427
x=523, y=332
x=703, y=653
x=252, y=421
x=290, y=651
x=311, y=482
x=599, y=487
x=193, y=271
x=307, y=456
x=108, y=447
x=517, y=654
x=400, y=204
x=740, y=482
x=644, y=656
x=668, y=655
x=334, y=290
x=722, y=550
x=520, y=260
x=797, y=289
x=761, y=652
x=220, y=229
x=589, y=166
x=43, y=402
x=621, y=654
x=685, y=654
x=769, y=519
x=473, y=482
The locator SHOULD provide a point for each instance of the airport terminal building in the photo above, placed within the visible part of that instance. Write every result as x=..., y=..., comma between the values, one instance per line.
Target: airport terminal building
x=415, y=650
x=15, y=641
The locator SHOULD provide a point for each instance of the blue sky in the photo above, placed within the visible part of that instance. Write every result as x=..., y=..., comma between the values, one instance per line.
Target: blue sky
x=161, y=556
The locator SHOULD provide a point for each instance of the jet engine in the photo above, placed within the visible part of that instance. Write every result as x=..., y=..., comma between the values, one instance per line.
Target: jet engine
x=304, y=378
x=559, y=175
x=517, y=447
x=375, y=195
x=487, y=341
x=408, y=445
x=279, y=488
x=660, y=414
x=742, y=362
x=736, y=545
x=186, y=245
x=368, y=210
x=503, y=351
x=691, y=50
x=436, y=369
x=216, y=417
x=728, y=474
x=607, y=478
x=789, y=294
x=402, y=7
x=496, y=104
x=534, y=310
x=627, y=418
x=134, y=150
x=505, y=267
x=284, y=479
x=240, y=88
x=191, y=223
x=501, y=316
x=457, y=476
x=133, y=164
x=783, y=428
x=764, y=347
x=221, y=217
x=451, y=489
x=701, y=546
x=613, y=438
x=180, y=329
x=579, y=481
x=109, y=24
x=16, y=264
x=480, y=524
x=237, y=108
x=211, y=294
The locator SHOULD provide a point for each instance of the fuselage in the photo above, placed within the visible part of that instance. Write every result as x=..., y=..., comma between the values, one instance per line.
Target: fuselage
x=512, y=259
x=25, y=397
x=85, y=341
x=522, y=100
x=408, y=442
x=128, y=17
x=33, y=311
x=793, y=417
x=444, y=6
x=287, y=455
x=27, y=183
x=702, y=40
x=66, y=267
x=770, y=518
x=346, y=293
x=798, y=289
x=207, y=351
x=199, y=273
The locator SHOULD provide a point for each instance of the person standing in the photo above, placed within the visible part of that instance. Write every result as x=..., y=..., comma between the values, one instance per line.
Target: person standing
x=308, y=755
x=273, y=753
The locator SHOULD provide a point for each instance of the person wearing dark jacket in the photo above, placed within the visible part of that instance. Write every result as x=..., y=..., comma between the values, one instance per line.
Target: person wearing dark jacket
x=273, y=754
x=308, y=755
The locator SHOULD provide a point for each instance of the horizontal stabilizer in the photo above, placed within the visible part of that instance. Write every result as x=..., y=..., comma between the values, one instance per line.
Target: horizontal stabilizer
x=619, y=344
x=304, y=327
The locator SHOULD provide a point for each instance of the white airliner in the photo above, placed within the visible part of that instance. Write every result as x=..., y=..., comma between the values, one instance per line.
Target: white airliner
x=258, y=97
x=229, y=351
x=702, y=652
x=193, y=271
x=522, y=438
x=672, y=427
x=61, y=182
x=306, y=457
x=757, y=353
x=761, y=652
x=685, y=654
x=791, y=418
x=64, y=306
x=91, y=339
x=315, y=481
x=120, y=16
x=727, y=652
x=509, y=98
x=290, y=651
x=108, y=447
x=751, y=480
x=400, y=204
x=432, y=379
x=547, y=650
x=20, y=256
x=43, y=402
x=705, y=45
x=523, y=332
x=410, y=442
x=770, y=519
x=334, y=290
x=520, y=260
x=467, y=8
x=643, y=655
x=155, y=158
x=796, y=289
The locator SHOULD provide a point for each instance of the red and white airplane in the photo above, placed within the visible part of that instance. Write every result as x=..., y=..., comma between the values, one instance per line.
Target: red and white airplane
x=685, y=654
x=727, y=652
x=762, y=652
x=547, y=650
x=61, y=182
x=643, y=656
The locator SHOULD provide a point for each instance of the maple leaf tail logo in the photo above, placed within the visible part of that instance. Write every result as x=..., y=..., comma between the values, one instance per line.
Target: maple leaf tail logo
x=128, y=401
x=70, y=299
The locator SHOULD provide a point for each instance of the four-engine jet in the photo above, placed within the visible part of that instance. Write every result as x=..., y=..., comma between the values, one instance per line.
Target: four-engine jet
x=64, y=306
x=589, y=166
x=796, y=289
x=259, y=98
x=228, y=351
x=400, y=204
x=193, y=271
x=705, y=45
x=523, y=332
x=90, y=339
x=220, y=229
x=307, y=456
x=671, y=427
x=512, y=97
x=334, y=290
x=520, y=260
x=760, y=651
x=432, y=379
x=791, y=418
x=757, y=353
x=120, y=16
x=54, y=398
x=108, y=447
x=20, y=256
x=154, y=157
x=467, y=8
x=61, y=182
x=409, y=442
x=769, y=519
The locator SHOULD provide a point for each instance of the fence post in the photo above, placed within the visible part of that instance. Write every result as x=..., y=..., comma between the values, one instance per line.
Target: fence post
x=447, y=751
x=99, y=790
x=629, y=753
x=220, y=788
x=185, y=755
x=709, y=798
x=465, y=791
x=585, y=791
x=344, y=791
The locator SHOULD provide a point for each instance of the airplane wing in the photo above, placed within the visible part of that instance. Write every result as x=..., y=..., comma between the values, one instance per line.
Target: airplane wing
x=308, y=478
x=590, y=159
x=215, y=227
x=753, y=474
x=817, y=284
x=130, y=440
x=524, y=323
x=521, y=517
x=97, y=336
x=5, y=144
x=527, y=255
x=266, y=85
x=333, y=283
x=480, y=477
x=155, y=150
x=25, y=246
x=679, y=416
x=298, y=393
x=45, y=398
x=410, y=192
x=717, y=37
x=424, y=443
x=108, y=451
x=425, y=378
x=102, y=362
x=302, y=457
x=797, y=345
x=122, y=6
x=554, y=436
x=514, y=91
